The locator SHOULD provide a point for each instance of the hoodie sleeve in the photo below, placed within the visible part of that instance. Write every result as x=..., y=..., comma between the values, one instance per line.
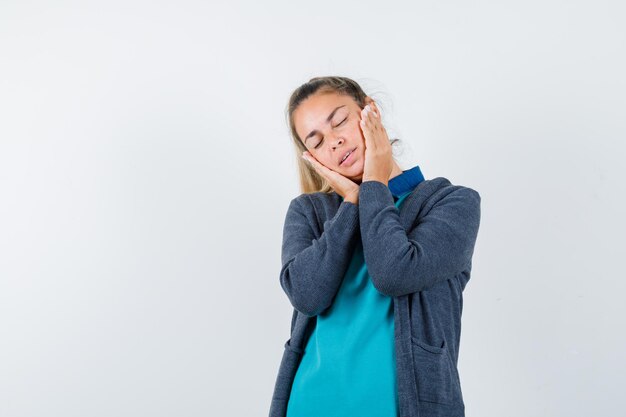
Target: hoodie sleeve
x=435, y=249
x=313, y=268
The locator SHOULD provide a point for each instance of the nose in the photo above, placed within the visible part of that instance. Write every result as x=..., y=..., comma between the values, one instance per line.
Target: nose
x=336, y=142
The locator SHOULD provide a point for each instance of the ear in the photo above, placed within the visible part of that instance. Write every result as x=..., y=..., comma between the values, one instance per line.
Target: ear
x=368, y=100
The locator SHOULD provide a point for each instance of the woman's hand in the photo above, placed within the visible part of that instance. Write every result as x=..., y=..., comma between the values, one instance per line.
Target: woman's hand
x=343, y=186
x=378, y=157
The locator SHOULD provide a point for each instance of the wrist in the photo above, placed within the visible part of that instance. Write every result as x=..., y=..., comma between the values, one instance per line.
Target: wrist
x=352, y=198
x=384, y=181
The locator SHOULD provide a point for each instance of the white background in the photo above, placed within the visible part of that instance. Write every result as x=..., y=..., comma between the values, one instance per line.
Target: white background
x=146, y=168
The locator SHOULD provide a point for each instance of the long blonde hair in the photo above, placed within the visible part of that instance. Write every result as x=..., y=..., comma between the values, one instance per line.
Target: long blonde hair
x=310, y=180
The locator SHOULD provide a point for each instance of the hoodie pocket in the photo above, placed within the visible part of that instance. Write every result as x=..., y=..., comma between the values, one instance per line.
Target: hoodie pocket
x=433, y=372
x=287, y=371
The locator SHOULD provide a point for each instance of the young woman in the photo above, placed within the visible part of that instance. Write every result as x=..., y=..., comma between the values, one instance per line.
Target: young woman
x=374, y=262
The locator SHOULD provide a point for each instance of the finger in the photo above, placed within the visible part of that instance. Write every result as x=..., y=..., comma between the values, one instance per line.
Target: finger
x=368, y=128
x=333, y=177
x=375, y=124
x=320, y=168
x=375, y=109
x=371, y=113
x=306, y=155
x=372, y=117
x=313, y=164
x=366, y=117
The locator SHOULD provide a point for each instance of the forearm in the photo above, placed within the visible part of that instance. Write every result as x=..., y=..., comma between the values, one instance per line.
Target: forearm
x=436, y=249
x=313, y=269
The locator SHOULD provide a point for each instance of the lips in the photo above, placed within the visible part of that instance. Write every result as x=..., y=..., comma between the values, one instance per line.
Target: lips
x=341, y=160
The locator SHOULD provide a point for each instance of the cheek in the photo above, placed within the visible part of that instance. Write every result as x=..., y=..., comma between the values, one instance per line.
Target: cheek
x=358, y=133
x=322, y=157
x=328, y=162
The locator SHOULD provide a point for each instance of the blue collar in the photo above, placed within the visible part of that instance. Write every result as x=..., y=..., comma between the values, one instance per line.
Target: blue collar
x=406, y=181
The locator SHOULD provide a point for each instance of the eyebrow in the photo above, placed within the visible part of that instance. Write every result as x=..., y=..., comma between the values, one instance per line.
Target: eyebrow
x=330, y=116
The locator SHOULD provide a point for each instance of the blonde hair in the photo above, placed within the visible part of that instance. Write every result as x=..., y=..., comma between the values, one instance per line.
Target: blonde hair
x=310, y=180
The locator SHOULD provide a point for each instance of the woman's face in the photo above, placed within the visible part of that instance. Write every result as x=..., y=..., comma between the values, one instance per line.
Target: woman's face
x=328, y=125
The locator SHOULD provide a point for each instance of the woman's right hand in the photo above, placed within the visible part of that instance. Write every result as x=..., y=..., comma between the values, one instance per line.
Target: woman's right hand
x=343, y=186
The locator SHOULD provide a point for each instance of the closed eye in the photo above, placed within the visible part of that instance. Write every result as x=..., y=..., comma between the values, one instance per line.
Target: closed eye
x=320, y=143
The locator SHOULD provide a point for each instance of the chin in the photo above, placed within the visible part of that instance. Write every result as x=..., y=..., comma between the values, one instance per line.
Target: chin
x=354, y=173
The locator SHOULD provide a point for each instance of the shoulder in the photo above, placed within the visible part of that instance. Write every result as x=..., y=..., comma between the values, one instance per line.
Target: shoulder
x=318, y=207
x=442, y=186
x=441, y=190
x=316, y=201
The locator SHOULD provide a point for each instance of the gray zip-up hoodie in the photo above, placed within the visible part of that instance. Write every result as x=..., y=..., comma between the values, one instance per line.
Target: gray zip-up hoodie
x=420, y=254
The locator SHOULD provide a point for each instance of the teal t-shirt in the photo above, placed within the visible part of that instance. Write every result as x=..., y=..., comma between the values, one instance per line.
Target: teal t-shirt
x=348, y=367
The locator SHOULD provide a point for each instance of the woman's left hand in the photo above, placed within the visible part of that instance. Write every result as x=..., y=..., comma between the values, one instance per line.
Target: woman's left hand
x=378, y=158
